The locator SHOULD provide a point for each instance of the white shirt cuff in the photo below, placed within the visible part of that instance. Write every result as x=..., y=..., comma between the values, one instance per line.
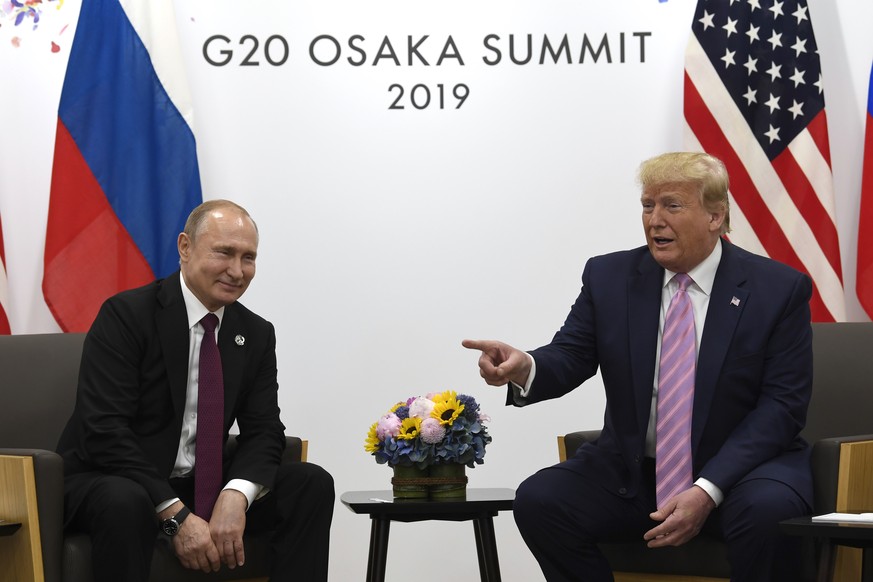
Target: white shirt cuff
x=251, y=490
x=711, y=490
x=523, y=391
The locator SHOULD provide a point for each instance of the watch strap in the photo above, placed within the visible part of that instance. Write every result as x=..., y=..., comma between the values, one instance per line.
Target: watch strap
x=183, y=513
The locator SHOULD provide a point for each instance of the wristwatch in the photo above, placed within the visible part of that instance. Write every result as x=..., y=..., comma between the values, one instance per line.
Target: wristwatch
x=170, y=526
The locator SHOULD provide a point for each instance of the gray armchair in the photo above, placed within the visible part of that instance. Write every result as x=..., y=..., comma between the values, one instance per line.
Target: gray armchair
x=39, y=374
x=841, y=405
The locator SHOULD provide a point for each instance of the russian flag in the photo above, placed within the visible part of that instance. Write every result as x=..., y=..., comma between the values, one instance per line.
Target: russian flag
x=864, y=282
x=125, y=172
x=4, y=289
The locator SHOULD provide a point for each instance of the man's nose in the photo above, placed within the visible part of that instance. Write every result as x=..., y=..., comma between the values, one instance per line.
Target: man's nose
x=656, y=217
x=234, y=268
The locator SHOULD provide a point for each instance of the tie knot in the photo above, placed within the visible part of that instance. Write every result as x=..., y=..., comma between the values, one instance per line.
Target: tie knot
x=209, y=322
x=683, y=279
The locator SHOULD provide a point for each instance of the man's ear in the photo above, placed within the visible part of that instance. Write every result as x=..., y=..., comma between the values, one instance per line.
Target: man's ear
x=716, y=219
x=183, y=243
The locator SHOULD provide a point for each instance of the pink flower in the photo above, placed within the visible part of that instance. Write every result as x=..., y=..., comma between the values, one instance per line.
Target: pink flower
x=432, y=432
x=388, y=426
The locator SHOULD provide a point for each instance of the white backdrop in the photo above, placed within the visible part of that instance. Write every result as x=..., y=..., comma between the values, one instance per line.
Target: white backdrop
x=388, y=236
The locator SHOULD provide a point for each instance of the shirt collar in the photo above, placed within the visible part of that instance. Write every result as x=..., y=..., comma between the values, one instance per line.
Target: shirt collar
x=196, y=310
x=703, y=274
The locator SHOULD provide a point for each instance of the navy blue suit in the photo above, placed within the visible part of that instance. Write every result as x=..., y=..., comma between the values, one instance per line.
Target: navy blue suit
x=752, y=389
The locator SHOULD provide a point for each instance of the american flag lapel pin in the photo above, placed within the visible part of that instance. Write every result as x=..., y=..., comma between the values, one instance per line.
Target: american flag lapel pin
x=735, y=301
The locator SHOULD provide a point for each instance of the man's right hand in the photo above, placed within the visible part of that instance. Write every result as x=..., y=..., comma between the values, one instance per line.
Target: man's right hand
x=194, y=546
x=500, y=363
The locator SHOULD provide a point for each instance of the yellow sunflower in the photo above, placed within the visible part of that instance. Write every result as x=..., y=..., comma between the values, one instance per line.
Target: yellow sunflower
x=409, y=428
x=447, y=407
x=371, y=444
x=396, y=406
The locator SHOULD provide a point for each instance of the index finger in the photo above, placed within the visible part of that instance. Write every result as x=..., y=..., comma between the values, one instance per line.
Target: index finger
x=481, y=345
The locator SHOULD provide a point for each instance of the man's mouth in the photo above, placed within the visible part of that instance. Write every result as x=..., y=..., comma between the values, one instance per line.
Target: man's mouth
x=661, y=240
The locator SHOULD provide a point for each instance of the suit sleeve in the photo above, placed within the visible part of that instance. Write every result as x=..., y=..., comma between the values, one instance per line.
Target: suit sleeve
x=109, y=400
x=261, y=439
x=571, y=357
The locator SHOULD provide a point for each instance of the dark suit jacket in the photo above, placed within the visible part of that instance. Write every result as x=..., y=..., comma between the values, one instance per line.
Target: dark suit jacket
x=132, y=383
x=754, y=370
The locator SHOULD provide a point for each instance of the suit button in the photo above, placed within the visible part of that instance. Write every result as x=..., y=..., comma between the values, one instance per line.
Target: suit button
x=636, y=458
x=622, y=491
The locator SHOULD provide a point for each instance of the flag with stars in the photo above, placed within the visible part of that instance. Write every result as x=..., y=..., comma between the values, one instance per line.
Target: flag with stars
x=754, y=99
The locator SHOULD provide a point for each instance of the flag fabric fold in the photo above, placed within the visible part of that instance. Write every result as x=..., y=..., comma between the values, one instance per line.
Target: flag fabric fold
x=754, y=99
x=864, y=281
x=4, y=289
x=125, y=173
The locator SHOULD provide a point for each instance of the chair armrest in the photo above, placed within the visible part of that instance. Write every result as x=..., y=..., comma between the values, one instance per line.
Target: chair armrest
x=570, y=442
x=296, y=449
x=826, y=470
x=48, y=476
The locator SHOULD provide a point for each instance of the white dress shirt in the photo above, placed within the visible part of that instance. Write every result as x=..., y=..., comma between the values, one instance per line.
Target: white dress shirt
x=188, y=440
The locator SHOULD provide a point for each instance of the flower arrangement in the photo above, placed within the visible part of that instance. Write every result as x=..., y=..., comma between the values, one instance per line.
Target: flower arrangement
x=436, y=429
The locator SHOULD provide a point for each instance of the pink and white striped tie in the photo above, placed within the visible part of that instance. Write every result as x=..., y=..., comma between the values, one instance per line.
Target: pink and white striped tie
x=675, y=396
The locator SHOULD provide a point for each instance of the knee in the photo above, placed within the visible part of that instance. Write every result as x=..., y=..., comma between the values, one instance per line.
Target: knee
x=532, y=504
x=758, y=506
x=123, y=501
x=308, y=479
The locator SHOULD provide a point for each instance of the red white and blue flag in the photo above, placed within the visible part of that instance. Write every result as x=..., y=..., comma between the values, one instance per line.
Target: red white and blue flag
x=125, y=172
x=864, y=282
x=754, y=99
x=4, y=290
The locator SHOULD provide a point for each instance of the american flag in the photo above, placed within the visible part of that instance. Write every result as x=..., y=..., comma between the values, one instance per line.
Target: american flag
x=754, y=99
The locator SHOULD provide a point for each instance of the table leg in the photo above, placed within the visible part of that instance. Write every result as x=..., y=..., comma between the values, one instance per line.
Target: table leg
x=486, y=547
x=827, y=561
x=379, y=530
x=867, y=565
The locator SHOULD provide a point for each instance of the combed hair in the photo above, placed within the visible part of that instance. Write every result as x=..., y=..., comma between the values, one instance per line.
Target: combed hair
x=704, y=171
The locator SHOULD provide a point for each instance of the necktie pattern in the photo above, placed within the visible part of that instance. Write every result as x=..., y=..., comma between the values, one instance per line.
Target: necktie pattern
x=210, y=422
x=675, y=396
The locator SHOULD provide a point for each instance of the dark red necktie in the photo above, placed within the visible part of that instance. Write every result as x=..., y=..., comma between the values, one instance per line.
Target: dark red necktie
x=210, y=422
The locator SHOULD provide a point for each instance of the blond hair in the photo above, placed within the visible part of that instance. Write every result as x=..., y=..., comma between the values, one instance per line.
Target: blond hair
x=707, y=173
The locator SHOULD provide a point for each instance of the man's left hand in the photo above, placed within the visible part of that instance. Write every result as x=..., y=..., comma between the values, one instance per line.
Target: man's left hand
x=681, y=518
x=226, y=526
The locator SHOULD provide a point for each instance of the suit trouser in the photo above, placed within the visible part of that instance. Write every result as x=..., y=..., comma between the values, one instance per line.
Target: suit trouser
x=562, y=514
x=121, y=521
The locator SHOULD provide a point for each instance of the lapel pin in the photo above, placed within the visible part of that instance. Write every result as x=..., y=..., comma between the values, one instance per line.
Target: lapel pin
x=240, y=340
x=734, y=301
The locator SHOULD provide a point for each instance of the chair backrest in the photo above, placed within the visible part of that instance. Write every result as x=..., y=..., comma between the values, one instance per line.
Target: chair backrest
x=842, y=389
x=38, y=374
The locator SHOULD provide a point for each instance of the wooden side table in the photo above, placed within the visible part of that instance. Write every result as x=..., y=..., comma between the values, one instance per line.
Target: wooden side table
x=479, y=506
x=833, y=534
